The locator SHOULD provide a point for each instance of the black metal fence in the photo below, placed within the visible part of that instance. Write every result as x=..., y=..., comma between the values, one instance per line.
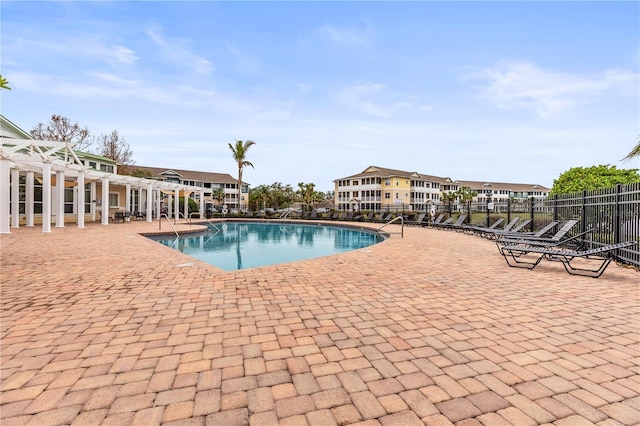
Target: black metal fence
x=612, y=215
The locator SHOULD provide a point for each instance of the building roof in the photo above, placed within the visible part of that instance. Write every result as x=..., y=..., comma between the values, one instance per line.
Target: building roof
x=520, y=187
x=159, y=172
x=382, y=172
x=10, y=130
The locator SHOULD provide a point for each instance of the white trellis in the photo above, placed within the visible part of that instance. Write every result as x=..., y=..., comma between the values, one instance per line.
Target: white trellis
x=53, y=163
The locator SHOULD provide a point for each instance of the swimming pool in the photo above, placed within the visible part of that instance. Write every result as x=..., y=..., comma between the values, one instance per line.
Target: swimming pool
x=239, y=245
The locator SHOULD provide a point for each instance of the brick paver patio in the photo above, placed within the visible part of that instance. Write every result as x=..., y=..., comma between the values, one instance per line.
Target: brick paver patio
x=103, y=326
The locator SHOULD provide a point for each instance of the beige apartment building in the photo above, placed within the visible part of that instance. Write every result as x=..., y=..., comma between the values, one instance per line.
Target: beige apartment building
x=381, y=189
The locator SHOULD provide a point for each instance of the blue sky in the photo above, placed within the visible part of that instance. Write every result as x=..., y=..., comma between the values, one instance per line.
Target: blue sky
x=488, y=91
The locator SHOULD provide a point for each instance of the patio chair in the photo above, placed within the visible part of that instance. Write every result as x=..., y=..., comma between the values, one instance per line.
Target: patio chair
x=500, y=233
x=416, y=222
x=555, y=239
x=436, y=221
x=440, y=225
x=528, y=257
x=457, y=225
x=475, y=229
x=385, y=219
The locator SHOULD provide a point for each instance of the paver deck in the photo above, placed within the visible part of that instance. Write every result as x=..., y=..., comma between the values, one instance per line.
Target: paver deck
x=103, y=326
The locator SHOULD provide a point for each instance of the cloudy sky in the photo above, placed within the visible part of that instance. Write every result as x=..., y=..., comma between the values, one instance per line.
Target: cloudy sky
x=488, y=91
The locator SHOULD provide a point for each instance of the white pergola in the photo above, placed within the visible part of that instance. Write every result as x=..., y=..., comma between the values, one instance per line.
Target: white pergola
x=56, y=161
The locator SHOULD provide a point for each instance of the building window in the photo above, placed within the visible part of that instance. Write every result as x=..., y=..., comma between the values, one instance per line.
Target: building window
x=113, y=200
x=387, y=195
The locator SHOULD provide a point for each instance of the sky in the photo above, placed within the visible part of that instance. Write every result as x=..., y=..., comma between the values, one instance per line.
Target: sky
x=502, y=91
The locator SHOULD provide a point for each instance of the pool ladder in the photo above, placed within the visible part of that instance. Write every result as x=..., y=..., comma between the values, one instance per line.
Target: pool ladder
x=395, y=219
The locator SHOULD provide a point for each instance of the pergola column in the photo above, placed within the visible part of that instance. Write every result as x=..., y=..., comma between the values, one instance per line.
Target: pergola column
x=201, y=204
x=149, y=203
x=158, y=202
x=185, y=204
x=105, y=201
x=46, y=197
x=29, y=197
x=60, y=196
x=81, y=200
x=127, y=198
x=15, y=198
x=4, y=196
x=176, y=203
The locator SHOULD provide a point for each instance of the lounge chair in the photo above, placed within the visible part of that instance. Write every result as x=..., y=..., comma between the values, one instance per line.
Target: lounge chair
x=475, y=229
x=528, y=257
x=501, y=233
x=541, y=241
x=439, y=225
x=418, y=221
x=457, y=225
x=385, y=219
x=436, y=221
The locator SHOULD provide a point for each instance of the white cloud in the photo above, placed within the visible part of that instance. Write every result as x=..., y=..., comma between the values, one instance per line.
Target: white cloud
x=523, y=85
x=178, y=51
x=362, y=97
x=348, y=36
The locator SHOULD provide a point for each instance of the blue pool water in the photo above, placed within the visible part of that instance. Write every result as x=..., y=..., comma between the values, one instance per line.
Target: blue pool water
x=239, y=245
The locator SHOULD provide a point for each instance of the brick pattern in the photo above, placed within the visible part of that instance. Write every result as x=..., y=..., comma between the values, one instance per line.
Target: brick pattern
x=103, y=326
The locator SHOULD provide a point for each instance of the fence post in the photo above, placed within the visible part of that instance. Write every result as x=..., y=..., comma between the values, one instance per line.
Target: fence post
x=616, y=216
x=531, y=205
x=555, y=207
x=583, y=219
x=508, y=210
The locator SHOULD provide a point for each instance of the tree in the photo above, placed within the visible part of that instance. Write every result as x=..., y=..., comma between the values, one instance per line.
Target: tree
x=61, y=129
x=239, y=151
x=308, y=195
x=466, y=195
x=594, y=177
x=4, y=84
x=259, y=196
x=448, y=198
x=142, y=173
x=635, y=152
x=218, y=195
x=116, y=148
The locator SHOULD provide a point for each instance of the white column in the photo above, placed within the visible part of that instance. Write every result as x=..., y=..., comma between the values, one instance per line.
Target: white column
x=94, y=196
x=81, y=200
x=149, y=203
x=60, y=197
x=105, y=201
x=30, y=197
x=158, y=196
x=127, y=195
x=201, y=204
x=46, y=197
x=15, y=198
x=185, y=204
x=176, y=205
x=169, y=206
x=4, y=196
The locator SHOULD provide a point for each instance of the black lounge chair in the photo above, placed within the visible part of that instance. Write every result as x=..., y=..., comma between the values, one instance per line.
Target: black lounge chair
x=528, y=257
x=554, y=240
x=476, y=229
x=447, y=222
x=436, y=221
x=418, y=221
x=500, y=233
x=457, y=225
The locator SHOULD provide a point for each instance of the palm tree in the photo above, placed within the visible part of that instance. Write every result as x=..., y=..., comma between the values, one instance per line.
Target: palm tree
x=448, y=198
x=239, y=151
x=635, y=152
x=466, y=195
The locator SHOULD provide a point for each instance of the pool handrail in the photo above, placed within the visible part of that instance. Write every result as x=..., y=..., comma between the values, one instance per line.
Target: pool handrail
x=169, y=221
x=394, y=220
x=207, y=220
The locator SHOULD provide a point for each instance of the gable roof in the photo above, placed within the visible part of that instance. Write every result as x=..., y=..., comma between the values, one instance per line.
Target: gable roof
x=160, y=172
